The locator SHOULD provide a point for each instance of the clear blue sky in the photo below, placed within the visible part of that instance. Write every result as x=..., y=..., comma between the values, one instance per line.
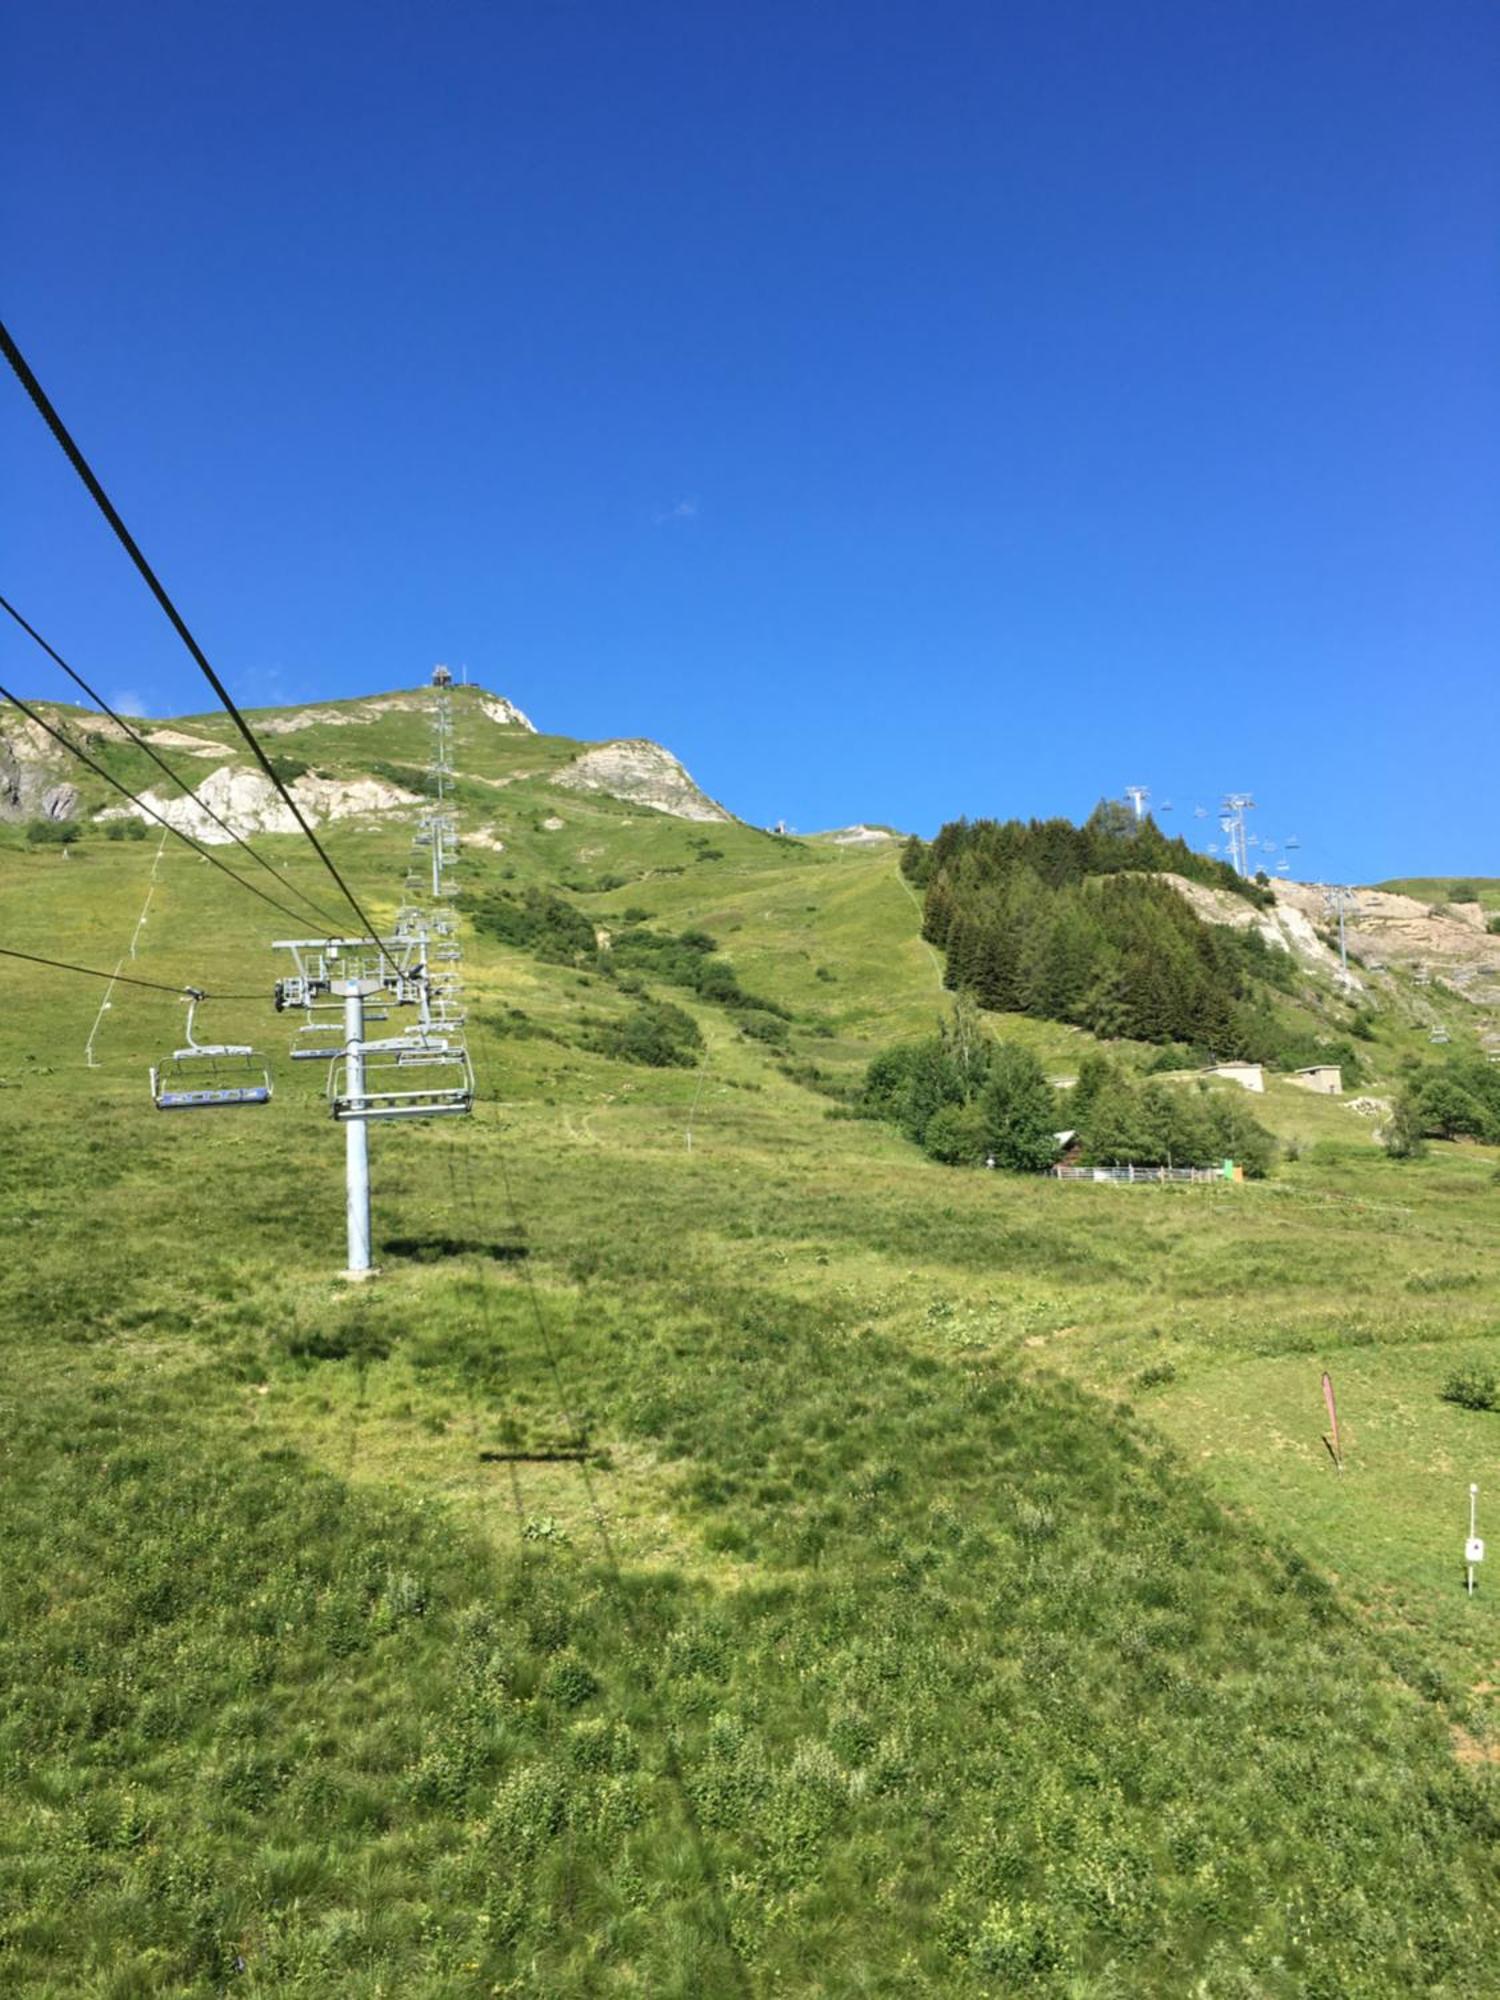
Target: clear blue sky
x=898, y=410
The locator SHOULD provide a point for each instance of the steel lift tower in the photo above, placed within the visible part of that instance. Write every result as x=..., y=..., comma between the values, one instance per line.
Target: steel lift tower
x=1235, y=806
x=1340, y=901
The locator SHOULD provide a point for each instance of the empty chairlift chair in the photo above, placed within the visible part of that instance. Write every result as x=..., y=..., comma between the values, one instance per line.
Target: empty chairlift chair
x=407, y=1076
x=206, y=1076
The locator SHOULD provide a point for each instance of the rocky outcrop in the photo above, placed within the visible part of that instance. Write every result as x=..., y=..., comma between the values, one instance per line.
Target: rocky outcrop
x=30, y=767
x=1285, y=926
x=858, y=836
x=643, y=774
x=177, y=739
x=247, y=801
x=1389, y=929
x=495, y=706
x=498, y=709
x=60, y=802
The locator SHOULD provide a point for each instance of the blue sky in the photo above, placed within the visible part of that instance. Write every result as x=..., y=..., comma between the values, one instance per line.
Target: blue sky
x=897, y=410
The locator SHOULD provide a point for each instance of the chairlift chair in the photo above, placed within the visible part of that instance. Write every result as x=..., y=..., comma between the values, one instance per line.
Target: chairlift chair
x=204, y=1076
x=417, y=1077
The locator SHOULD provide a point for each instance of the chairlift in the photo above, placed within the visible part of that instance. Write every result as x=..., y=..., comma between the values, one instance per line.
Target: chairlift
x=418, y=1076
x=204, y=1076
x=1439, y=1035
x=321, y=1037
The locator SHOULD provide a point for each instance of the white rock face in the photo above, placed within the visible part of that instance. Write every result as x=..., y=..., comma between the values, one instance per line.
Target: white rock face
x=247, y=801
x=498, y=709
x=1286, y=927
x=339, y=718
x=176, y=739
x=643, y=774
x=495, y=706
x=858, y=836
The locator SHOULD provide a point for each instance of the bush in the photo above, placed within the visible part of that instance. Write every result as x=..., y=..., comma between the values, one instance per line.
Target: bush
x=52, y=832
x=1402, y=1137
x=956, y=1135
x=1472, y=1387
x=761, y=1027
x=655, y=1034
x=538, y=922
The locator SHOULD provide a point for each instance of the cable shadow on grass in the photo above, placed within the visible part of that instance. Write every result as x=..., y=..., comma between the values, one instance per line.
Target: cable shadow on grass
x=436, y=1249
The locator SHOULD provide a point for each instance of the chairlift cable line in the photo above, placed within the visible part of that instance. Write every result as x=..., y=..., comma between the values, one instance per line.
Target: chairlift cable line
x=160, y=761
x=127, y=541
x=124, y=978
x=60, y=736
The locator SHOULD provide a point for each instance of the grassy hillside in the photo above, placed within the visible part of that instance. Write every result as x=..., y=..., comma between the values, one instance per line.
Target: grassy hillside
x=948, y=1594
x=1439, y=888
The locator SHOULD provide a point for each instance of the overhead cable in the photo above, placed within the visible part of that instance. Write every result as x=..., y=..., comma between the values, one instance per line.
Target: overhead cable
x=127, y=541
x=161, y=763
x=125, y=978
x=60, y=736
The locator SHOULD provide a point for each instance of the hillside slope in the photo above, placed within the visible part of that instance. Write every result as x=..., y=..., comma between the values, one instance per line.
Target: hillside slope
x=874, y=1644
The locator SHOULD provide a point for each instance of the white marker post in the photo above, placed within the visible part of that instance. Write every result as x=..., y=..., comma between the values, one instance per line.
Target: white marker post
x=1473, y=1547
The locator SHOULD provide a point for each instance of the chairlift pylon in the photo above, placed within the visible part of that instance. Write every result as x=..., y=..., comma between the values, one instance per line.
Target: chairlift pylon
x=205, y=1076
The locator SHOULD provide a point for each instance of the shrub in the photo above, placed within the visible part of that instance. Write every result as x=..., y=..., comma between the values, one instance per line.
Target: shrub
x=1402, y=1137
x=52, y=832
x=761, y=1027
x=655, y=1034
x=1472, y=1387
x=955, y=1135
x=538, y=922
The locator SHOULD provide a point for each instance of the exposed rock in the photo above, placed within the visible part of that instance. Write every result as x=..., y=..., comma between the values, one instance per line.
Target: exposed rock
x=858, y=836
x=177, y=739
x=498, y=709
x=1285, y=927
x=1388, y=929
x=358, y=713
x=30, y=765
x=60, y=802
x=484, y=836
x=552, y=824
x=247, y=801
x=643, y=774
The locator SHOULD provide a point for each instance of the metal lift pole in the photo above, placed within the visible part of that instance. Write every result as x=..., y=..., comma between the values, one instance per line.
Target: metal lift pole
x=356, y=1134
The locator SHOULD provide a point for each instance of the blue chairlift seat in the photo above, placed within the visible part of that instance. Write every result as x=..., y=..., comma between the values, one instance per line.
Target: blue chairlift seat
x=208, y=1076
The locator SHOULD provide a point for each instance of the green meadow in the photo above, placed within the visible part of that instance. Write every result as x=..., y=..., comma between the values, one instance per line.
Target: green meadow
x=723, y=1552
